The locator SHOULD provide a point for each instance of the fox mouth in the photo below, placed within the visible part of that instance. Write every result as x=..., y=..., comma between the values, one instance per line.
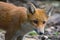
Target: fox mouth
x=40, y=33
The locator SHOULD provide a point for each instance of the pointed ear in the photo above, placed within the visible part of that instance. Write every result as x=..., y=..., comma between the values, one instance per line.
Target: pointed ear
x=31, y=9
x=50, y=11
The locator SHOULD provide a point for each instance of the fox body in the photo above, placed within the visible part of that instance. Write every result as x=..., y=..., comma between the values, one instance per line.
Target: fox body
x=11, y=18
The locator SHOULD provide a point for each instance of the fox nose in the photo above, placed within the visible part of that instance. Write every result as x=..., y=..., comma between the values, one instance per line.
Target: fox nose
x=40, y=33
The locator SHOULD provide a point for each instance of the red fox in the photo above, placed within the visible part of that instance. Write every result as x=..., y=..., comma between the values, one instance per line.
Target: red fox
x=11, y=18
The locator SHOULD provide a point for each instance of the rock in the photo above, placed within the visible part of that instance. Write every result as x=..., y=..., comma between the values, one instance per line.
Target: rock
x=2, y=34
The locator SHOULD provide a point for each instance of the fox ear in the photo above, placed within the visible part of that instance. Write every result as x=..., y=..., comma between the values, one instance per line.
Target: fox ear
x=31, y=9
x=50, y=11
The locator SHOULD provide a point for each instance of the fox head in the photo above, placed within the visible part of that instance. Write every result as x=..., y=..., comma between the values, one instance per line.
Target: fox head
x=37, y=18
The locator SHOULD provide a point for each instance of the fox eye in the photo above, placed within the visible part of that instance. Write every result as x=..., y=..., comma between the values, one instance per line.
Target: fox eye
x=35, y=21
x=43, y=22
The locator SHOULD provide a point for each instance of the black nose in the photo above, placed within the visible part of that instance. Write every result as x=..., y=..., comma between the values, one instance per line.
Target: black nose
x=40, y=33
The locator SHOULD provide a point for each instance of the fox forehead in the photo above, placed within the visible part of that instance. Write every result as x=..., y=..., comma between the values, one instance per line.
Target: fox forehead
x=39, y=14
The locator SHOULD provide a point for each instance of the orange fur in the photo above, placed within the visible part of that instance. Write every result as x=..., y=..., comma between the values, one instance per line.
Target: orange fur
x=40, y=16
x=11, y=18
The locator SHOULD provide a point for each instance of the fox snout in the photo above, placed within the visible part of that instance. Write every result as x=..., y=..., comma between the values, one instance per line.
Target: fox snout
x=40, y=31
